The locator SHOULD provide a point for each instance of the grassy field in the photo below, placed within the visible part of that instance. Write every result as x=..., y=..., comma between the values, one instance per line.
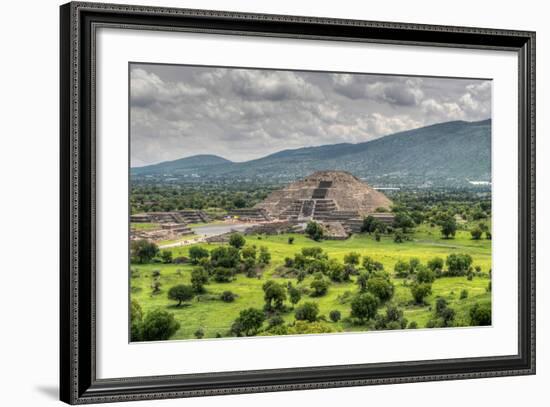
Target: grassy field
x=144, y=225
x=215, y=316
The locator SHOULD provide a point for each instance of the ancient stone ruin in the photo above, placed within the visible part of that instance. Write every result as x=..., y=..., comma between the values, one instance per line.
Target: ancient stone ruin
x=328, y=196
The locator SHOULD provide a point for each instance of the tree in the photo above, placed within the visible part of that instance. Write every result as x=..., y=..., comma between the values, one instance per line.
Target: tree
x=337, y=271
x=362, y=280
x=352, y=258
x=225, y=256
x=249, y=253
x=424, y=275
x=274, y=295
x=367, y=225
x=398, y=237
x=436, y=264
x=199, y=333
x=196, y=253
x=448, y=226
x=136, y=318
x=307, y=312
x=222, y=274
x=319, y=285
x=420, y=291
x=290, y=239
x=371, y=265
x=364, y=307
x=335, y=315
x=227, y=296
x=199, y=277
x=264, y=257
x=237, y=240
x=166, y=256
x=314, y=231
x=294, y=294
x=143, y=251
x=392, y=319
x=404, y=221
x=458, y=263
x=248, y=322
x=158, y=325
x=480, y=315
x=476, y=233
x=381, y=288
x=181, y=293
x=401, y=269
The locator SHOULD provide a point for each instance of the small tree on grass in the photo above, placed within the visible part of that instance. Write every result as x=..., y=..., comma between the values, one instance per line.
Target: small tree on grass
x=248, y=322
x=307, y=312
x=196, y=253
x=143, y=251
x=158, y=325
x=227, y=296
x=319, y=286
x=458, y=263
x=436, y=264
x=290, y=239
x=420, y=291
x=398, y=237
x=335, y=315
x=199, y=333
x=362, y=280
x=294, y=295
x=364, y=307
x=166, y=256
x=380, y=287
x=476, y=233
x=425, y=275
x=181, y=293
x=237, y=240
x=274, y=295
x=448, y=227
x=314, y=231
x=199, y=277
x=401, y=269
x=264, y=257
x=352, y=258
x=480, y=315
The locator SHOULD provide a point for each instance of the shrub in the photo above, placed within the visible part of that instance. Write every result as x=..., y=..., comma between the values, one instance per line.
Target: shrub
x=392, y=319
x=436, y=264
x=364, y=306
x=314, y=252
x=275, y=320
x=237, y=240
x=166, y=256
x=458, y=263
x=463, y=294
x=289, y=262
x=248, y=322
x=371, y=265
x=265, y=256
x=381, y=288
x=335, y=315
x=143, y=251
x=199, y=277
x=223, y=274
x=362, y=280
x=480, y=315
x=199, y=333
x=196, y=253
x=294, y=295
x=307, y=312
x=136, y=318
x=337, y=272
x=274, y=295
x=398, y=237
x=227, y=296
x=420, y=291
x=413, y=325
x=352, y=258
x=223, y=256
x=290, y=239
x=314, y=231
x=448, y=226
x=158, y=325
x=425, y=275
x=155, y=273
x=401, y=269
x=181, y=293
x=249, y=253
x=476, y=233
x=319, y=285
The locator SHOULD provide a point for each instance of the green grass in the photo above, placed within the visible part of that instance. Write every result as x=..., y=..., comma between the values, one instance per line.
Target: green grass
x=215, y=316
x=144, y=225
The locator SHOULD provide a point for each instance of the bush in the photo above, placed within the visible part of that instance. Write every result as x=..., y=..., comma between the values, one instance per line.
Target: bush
x=227, y=296
x=413, y=325
x=199, y=277
x=420, y=291
x=166, y=256
x=371, y=265
x=392, y=319
x=463, y=294
x=199, y=333
x=290, y=239
x=223, y=256
x=319, y=286
x=249, y=253
x=448, y=226
x=480, y=315
x=222, y=274
x=275, y=320
x=476, y=233
x=364, y=307
x=181, y=293
x=458, y=263
x=158, y=325
x=248, y=322
x=362, y=280
x=274, y=295
x=398, y=237
x=307, y=312
x=352, y=258
x=381, y=288
x=136, y=318
x=425, y=275
x=237, y=240
x=289, y=262
x=401, y=269
x=314, y=231
x=265, y=256
x=335, y=315
x=143, y=251
x=196, y=253
x=436, y=264
x=337, y=272
x=294, y=294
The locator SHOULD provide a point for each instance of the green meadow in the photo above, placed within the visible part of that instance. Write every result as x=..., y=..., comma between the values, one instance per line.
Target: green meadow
x=214, y=317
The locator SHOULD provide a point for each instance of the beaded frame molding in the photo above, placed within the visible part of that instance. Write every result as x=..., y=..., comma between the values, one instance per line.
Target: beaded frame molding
x=78, y=381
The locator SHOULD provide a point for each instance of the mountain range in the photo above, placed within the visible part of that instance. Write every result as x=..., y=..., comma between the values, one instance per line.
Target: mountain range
x=449, y=154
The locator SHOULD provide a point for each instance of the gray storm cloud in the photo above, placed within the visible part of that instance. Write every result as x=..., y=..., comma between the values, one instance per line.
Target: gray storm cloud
x=241, y=114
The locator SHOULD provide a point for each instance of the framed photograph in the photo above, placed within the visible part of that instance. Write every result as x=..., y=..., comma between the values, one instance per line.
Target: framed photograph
x=254, y=203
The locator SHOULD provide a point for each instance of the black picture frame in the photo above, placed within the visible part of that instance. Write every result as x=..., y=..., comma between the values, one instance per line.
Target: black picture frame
x=78, y=382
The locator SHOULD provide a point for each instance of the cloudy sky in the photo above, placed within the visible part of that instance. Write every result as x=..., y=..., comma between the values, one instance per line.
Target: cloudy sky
x=241, y=114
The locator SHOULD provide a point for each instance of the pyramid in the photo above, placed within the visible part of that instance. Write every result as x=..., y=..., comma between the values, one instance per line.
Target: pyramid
x=325, y=196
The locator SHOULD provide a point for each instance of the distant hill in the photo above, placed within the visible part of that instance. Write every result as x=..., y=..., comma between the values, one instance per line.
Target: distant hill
x=445, y=154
